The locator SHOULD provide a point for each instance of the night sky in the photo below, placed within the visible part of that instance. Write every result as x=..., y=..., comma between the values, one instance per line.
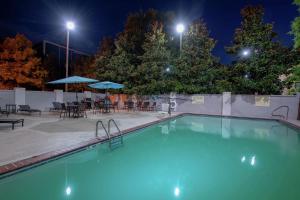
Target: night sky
x=45, y=19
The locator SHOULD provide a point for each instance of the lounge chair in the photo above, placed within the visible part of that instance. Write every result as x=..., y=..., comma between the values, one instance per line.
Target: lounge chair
x=12, y=122
x=26, y=108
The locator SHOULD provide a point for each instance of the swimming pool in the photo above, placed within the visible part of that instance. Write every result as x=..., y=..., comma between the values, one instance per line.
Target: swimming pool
x=190, y=157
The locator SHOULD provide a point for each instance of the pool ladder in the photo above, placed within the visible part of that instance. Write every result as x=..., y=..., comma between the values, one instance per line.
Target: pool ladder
x=114, y=140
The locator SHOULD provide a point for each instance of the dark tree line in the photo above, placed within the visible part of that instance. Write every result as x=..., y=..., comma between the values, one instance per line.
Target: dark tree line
x=145, y=57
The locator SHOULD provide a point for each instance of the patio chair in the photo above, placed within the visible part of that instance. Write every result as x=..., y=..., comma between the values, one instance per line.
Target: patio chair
x=153, y=107
x=96, y=107
x=80, y=111
x=56, y=106
x=125, y=107
x=115, y=106
x=139, y=105
x=88, y=102
x=130, y=105
x=145, y=106
x=12, y=122
x=63, y=110
x=26, y=108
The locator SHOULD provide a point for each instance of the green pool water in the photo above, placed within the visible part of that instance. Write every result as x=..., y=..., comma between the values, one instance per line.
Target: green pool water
x=191, y=158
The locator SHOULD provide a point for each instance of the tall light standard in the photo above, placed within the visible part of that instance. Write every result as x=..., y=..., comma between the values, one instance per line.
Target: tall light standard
x=70, y=26
x=180, y=29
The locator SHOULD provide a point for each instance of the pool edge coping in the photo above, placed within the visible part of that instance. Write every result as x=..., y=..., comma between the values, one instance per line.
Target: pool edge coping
x=48, y=156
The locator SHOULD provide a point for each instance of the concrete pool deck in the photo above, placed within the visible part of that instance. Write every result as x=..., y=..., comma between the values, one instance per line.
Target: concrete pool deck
x=49, y=132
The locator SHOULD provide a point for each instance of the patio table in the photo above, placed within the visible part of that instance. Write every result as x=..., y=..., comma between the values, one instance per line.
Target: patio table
x=72, y=108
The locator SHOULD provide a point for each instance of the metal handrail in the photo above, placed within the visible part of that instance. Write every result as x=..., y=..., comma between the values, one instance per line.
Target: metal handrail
x=97, y=126
x=282, y=116
x=113, y=121
x=119, y=131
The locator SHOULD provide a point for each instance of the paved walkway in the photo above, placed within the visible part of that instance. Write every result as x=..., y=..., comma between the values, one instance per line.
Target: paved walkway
x=49, y=132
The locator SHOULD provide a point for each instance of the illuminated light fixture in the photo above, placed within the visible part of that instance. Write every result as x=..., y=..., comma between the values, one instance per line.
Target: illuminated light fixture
x=180, y=28
x=176, y=191
x=243, y=159
x=253, y=160
x=246, y=52
x=68, y=190
x=168, y=69
x=70, y=25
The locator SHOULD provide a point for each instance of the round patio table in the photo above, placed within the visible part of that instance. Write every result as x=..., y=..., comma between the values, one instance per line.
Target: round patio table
x=72, y=108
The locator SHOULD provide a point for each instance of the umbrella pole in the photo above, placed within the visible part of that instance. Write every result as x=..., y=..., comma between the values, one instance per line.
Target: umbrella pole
x=76, y=96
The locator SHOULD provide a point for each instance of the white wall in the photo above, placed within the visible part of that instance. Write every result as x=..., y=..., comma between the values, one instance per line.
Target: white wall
x=6, y=97
x=40, y=99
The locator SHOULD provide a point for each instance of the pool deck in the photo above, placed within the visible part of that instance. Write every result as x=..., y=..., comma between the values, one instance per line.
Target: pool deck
x=48, y=133
x=48, y=136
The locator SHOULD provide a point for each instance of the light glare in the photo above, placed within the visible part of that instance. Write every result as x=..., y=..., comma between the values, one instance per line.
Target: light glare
x=253, y=160
x=70, y=25
x=243, y=159
x=68, y=190
x=176, y=192
x=180, y=28
x=246, y=52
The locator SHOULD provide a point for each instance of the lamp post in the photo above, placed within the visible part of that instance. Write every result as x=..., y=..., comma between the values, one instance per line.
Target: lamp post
x=70, y=26
x=180, y=29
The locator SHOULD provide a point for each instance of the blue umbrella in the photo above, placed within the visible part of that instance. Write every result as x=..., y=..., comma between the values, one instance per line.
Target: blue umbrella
x=106, y=85
x=73, y=79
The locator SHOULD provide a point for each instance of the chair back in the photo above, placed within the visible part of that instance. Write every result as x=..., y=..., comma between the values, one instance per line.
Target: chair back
x=130, y=104
x=70, y=104
x=63, y=106
x=24, y=107
x=146, y=103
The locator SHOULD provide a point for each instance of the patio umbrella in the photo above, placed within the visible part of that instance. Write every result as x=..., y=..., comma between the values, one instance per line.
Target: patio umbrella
x=106, y=85
x=73, y=80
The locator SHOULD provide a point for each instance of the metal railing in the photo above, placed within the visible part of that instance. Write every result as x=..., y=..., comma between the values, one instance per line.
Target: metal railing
x=113, y=139
x=280, y=115
x=97, y=127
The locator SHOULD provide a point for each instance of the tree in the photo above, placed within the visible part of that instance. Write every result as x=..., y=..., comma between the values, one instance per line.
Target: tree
x=102, y=59
x=296, y=27
x=85, y=67
x=259, y=70
x=154, y=61
x=194, y=70
x=19, y=67
x=122, y=65
x=295, y=71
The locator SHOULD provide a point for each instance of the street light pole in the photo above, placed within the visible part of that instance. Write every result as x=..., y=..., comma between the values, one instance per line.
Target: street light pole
x=67, y=59
x=70, y=26
x=180, y=29
x=180, y=42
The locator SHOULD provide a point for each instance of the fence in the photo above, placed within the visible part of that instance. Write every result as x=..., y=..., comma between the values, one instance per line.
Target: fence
x=213, y=104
